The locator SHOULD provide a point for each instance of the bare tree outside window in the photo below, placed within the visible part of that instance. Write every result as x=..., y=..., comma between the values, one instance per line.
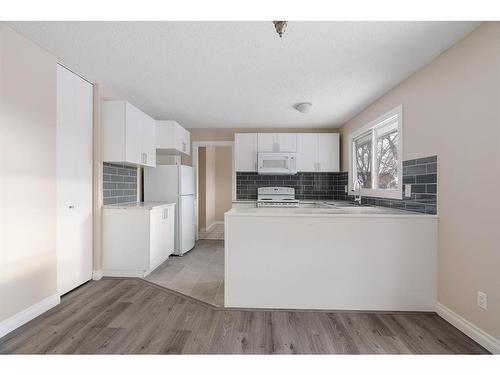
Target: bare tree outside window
x=387, y=157
x=376, y=151
x=363, y=152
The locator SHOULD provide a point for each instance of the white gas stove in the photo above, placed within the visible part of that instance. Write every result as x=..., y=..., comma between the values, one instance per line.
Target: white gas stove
x=276, y=197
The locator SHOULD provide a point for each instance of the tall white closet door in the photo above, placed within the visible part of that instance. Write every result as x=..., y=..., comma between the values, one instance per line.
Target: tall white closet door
x=74, y=180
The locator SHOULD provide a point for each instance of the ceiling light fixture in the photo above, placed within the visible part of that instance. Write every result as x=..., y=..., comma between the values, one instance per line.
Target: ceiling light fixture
x=303, y=107
x=280, y=27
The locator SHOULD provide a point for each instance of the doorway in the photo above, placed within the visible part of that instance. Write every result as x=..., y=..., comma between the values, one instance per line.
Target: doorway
x=214, y=193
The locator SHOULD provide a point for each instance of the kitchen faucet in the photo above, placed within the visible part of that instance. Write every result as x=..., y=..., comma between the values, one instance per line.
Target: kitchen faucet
x=358, y=197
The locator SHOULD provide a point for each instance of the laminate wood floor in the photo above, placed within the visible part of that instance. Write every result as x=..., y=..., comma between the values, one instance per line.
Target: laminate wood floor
x=198, y=274
x=136, y=316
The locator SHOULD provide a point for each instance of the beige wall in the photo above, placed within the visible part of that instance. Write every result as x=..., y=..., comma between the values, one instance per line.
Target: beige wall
x=451, y=108
x=210, y=186
x=215, y=184
x=202, y=193
x=27, y=174
x=223, y=181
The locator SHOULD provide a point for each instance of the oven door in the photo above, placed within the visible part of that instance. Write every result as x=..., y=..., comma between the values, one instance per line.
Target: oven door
x=277, y=163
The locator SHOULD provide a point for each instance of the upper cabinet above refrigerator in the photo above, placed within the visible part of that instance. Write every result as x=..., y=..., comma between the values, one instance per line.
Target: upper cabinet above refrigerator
x=128, y=134
x=172, y=139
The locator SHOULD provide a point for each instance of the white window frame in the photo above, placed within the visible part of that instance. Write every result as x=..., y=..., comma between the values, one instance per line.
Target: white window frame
x=375, y=124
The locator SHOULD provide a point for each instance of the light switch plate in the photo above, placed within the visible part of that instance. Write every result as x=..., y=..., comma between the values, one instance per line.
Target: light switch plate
x=345, y=189
x=408, y=190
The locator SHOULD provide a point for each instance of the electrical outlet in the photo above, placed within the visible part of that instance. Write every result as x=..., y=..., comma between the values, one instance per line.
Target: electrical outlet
x=408, y=190
x=482, y=300
x=345, y=189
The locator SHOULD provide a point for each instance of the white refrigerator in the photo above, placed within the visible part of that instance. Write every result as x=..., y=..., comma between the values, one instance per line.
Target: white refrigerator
x=174, y=183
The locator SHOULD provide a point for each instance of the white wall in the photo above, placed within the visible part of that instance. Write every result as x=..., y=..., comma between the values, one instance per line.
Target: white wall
x=27, y=174
x=451, y=108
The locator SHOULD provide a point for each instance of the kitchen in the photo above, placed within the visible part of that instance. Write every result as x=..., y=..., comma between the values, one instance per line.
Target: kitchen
x=342, y=209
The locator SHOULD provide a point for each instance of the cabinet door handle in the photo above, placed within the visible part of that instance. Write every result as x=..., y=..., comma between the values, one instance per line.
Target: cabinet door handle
x=145, y=158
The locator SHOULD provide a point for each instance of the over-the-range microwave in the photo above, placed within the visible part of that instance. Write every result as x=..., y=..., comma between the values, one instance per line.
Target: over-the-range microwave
x=277, y=163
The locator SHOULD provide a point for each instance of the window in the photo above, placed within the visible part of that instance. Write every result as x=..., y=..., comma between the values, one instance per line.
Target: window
x=375, y=156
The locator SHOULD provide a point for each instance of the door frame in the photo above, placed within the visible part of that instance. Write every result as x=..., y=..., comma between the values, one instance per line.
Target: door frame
x=195, y=147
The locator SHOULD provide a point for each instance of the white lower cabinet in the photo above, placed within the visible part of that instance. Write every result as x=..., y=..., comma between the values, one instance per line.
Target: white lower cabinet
x=136, y=240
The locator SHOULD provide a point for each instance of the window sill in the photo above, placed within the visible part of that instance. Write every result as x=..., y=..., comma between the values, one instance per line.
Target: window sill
x=379, y=193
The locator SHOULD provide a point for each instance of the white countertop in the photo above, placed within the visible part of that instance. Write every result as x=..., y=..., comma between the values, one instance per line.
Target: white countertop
x=349, y=211
x=138, y=205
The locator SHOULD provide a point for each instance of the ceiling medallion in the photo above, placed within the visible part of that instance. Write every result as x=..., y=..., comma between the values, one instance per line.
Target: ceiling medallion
x=280, y=27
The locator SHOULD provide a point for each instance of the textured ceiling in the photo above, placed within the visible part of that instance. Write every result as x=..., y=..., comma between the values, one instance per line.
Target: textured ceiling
x=241, y=74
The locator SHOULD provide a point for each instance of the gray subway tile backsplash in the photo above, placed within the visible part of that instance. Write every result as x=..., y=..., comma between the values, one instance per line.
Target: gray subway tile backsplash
x=308, y=186
x=119, y=183
x=421, y=174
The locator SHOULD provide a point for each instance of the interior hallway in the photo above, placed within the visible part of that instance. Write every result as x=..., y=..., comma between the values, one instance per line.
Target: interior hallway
x=215, y=232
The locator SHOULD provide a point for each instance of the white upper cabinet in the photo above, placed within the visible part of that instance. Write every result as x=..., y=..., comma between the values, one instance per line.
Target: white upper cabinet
x=277, y=142
x=307, y=152
x=245, y=152
x=133, y=144
x=172, y=139
x=328, y=152
x=317, y=152
x=149, y=141
x=128, y=135
x=267, y=142
x=287, y=142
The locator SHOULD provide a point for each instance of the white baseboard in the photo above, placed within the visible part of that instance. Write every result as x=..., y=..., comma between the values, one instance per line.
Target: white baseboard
x=23, y=317
x=123, y=273
x=97, y=275
x=475, y=333
x=210, y=227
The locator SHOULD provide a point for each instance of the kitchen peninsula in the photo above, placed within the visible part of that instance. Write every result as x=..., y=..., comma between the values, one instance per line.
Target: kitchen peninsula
x=335, y=258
